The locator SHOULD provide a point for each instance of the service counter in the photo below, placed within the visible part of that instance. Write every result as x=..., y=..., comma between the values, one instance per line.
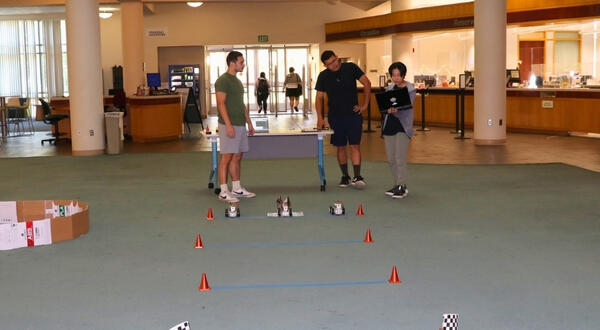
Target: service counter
x=155, y=118
x=61, y=106
x=149, y=118
x=542, y=110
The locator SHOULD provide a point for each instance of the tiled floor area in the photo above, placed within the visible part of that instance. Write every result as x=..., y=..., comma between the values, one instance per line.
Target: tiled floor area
x=437, y=146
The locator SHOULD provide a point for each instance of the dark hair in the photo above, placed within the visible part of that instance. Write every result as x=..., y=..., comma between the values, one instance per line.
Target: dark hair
x=262, y=75
x=291, y=69
x=326, y=55
x=399, y=66
x=233, y=56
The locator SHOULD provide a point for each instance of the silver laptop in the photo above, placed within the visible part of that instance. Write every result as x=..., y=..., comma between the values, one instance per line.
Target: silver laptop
x=261, y=125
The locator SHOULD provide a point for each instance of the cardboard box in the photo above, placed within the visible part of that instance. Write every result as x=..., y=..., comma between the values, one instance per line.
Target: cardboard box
x=32, y=223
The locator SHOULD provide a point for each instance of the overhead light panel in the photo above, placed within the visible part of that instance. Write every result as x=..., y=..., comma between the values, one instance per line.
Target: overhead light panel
x=106, y=11
x=195, y=4
x=105, y=14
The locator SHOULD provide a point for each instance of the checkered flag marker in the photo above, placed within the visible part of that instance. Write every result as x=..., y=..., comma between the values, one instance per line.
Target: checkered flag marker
x=185, y=325
x=449, y=322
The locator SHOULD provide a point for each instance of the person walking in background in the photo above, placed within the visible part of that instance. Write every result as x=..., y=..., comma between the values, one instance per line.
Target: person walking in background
x=233, y=117
x=338, y=80
x=397, y=130
x=262, y=91
x=293, y=89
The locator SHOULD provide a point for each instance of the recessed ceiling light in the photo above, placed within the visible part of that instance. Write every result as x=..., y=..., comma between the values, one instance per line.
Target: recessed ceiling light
x=105, y=15
x=195, y=3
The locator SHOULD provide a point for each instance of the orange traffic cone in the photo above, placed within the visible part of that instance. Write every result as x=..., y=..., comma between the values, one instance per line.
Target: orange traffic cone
x=207, y=130
x=368, y=238
x=198, y=244
x=210, y=215
x=360, y=212
x=394, y=277
x=204, y=284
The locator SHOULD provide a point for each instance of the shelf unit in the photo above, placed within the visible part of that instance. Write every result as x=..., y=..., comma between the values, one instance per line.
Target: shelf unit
x=185, y=75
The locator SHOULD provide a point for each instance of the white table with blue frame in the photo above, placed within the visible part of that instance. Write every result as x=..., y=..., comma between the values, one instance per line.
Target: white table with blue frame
x=284, y=144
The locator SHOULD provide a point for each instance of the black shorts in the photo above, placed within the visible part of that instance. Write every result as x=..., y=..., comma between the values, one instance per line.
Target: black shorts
x=346, y=130
x=293, y=92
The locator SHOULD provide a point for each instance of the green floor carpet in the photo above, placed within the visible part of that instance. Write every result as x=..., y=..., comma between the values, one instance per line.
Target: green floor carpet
x=506, y=247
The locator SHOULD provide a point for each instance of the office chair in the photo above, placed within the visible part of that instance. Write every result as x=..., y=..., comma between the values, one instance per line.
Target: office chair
x=53, y=120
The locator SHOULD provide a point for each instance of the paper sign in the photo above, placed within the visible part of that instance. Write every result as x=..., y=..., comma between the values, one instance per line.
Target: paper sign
x=8, y=212
x=22, y=234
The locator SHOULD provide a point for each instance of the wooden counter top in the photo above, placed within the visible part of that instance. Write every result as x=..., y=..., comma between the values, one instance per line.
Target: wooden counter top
x=61, y=101
x=584, y=93
x=153, y=100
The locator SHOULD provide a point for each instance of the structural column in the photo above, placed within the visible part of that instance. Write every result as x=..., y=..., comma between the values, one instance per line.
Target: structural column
x=132, y=30
x=489, y=126
x=85, y=77
x=402, y=45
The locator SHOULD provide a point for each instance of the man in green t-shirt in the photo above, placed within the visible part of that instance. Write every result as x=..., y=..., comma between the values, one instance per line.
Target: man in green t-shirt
x=233, y=117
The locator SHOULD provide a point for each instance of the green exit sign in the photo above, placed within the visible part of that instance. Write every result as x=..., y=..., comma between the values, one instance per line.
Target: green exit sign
x=263, y=38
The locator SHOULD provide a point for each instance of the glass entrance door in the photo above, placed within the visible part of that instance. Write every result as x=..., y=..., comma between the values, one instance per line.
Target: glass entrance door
x=274, y=61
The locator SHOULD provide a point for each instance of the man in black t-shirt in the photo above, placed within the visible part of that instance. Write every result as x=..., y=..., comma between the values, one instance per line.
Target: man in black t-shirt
x=338, y=80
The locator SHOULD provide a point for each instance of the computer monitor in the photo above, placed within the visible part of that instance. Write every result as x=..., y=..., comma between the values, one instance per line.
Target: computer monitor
x=153, y=79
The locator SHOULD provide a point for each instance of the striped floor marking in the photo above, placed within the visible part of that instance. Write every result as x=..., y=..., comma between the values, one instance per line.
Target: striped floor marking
x=264, y=217
x=295, y=285
x=217, y=246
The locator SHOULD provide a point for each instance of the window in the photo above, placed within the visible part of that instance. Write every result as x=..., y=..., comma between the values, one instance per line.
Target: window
x=33, y=58
x=566, y=52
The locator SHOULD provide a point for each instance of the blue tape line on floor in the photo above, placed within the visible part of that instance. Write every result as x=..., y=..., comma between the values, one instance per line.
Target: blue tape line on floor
x=294, y=285
x=214, y=246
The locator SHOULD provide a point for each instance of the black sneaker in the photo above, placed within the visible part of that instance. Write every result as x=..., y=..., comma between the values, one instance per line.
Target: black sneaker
x=345, y=181
x=296, y=108
x=392, y=191
x=358, y=182
x=401, y=192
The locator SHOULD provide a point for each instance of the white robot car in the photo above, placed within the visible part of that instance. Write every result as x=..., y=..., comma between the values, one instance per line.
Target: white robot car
x=337, y=208
x=284, y=207
x=232, y=211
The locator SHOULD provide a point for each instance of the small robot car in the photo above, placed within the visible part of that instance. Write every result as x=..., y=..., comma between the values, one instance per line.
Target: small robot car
x=284, y=207
x=337, y=208
x=232, y=211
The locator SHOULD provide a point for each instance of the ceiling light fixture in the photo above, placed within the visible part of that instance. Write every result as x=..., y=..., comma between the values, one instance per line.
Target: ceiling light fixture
x=195, y=4
x=105, y=15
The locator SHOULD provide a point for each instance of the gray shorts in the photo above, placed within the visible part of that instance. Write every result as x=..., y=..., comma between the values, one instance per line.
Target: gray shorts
x=234, y=145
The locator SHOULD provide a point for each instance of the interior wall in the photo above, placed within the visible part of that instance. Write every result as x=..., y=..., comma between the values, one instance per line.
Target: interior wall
x=512, y=48
x=225, y=23
x=178, y=55
x=355, y=51
x=587, y=53
x=182, y=55
x=379, y=58
x=445, y=53
x=111, y=48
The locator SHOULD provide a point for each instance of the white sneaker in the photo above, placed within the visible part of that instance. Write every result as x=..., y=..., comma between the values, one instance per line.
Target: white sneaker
x=358, y=182
x=242, y=193
x=227, y=196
